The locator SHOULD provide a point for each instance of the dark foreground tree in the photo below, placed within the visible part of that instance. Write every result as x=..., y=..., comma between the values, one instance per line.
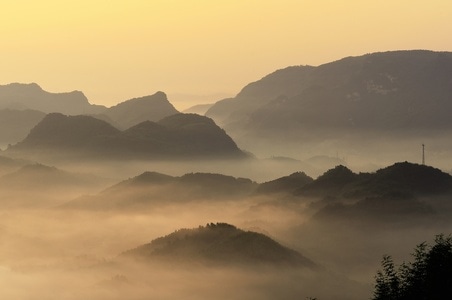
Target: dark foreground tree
x=429, y=276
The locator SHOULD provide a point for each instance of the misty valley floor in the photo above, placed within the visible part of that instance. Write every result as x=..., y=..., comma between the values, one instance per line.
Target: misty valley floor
x=55, y=249
x=72, y=256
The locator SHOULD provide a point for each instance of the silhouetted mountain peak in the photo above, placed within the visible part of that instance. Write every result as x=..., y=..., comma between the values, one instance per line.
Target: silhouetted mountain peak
x=158, y=97
x=137, y=110
x=60, y=130
x=338, y=173
x=285, y=184
x=151, y=178
x=331, y=183
x=415, y=177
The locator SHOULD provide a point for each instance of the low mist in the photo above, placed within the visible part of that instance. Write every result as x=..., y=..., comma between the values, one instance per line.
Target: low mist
x=64, y=239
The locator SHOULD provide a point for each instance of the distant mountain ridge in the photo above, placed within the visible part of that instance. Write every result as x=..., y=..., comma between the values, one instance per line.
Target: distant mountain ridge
x=177, y=136
x=400, y=190
x=388, y=93
x=32, y=96
x=151, y=189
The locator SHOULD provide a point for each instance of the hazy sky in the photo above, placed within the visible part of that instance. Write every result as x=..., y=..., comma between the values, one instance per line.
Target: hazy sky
x=115, y=50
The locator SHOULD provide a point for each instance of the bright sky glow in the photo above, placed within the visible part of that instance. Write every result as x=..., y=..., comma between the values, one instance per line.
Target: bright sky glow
x=115, y=50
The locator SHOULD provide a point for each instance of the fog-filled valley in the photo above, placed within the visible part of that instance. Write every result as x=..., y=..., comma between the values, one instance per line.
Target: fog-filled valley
x=73, y=243
x=293, y=189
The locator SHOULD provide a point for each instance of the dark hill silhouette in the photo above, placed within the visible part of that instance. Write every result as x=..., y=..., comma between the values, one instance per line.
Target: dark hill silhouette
x=134, y=111
x=192, y=131
x=221, y=244
x=32, y=96
x=417, y=178
x=57, y=132
x=286, y=184
x=389, y=93
x=16, y=124
x=152, y=189
x=333, y=182
x=179, y=136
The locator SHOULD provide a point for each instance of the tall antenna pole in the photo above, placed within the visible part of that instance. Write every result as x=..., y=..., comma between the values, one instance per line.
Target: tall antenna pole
x=423, y=154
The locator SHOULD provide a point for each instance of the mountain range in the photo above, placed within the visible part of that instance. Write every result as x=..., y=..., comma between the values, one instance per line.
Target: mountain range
x=396, y=193
x=399, y=93
x=152, y=189
x=363, y=108
x=399, y=190
x=177, y=136
x=402, y=177
x=23, y=106
x=404, y=186
x=350, y=106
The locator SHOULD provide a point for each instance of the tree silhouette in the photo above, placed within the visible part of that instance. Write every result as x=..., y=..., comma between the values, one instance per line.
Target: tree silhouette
x=429, y=276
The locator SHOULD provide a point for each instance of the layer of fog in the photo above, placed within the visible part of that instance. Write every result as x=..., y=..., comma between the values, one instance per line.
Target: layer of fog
x=60, y=253
x=361, y=152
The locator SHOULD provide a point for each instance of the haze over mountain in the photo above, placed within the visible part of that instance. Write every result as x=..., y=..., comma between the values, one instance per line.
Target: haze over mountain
x=8, y=164
x=16, y=124
x=177, y=136
x=38, y=186
x=199, y=109
x=400, y=93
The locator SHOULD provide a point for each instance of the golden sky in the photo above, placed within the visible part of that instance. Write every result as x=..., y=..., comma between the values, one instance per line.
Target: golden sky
x=116, y=50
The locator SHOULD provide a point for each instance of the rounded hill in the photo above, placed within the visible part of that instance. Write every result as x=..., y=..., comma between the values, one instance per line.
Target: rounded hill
x=219, y=243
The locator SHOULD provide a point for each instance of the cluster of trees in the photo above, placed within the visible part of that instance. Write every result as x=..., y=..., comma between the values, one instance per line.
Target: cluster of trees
x=429, y=276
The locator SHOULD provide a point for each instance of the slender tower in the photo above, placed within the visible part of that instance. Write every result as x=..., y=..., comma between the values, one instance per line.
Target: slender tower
x=423, y=154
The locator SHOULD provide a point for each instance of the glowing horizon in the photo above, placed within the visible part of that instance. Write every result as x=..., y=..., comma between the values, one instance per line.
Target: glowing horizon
x=114, y=51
